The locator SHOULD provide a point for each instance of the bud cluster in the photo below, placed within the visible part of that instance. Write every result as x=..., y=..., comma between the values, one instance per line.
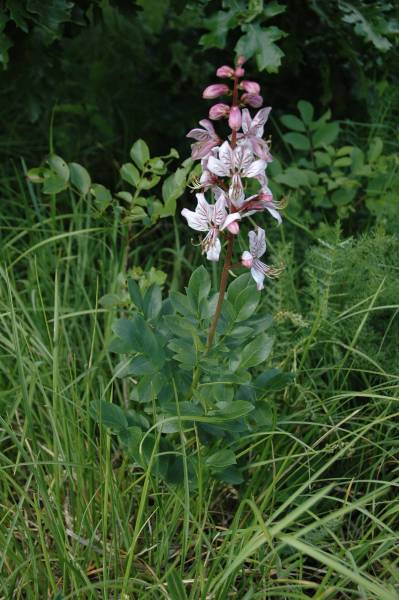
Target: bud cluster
x=227, y=165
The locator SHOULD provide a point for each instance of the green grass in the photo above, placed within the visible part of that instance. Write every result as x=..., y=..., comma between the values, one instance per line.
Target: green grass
x=317, y=516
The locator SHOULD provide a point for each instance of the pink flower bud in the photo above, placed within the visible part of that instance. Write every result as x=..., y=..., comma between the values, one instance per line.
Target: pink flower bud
x=218, y=111
x=265, y=197
x=250, y=86
x=235, y=118
x=234, y=228
x=241, y=60
x=247, y=259
x=239, y=72
x=215, y=90
x=253, y=100
x=225, y=71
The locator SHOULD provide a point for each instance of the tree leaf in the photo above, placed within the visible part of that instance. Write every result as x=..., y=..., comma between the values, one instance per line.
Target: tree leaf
x=259, y=42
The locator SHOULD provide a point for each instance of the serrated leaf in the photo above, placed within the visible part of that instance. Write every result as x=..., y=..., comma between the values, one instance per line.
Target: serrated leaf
x=259, y=42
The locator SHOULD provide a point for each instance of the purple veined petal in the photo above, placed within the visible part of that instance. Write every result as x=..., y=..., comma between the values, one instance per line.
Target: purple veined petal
x=260, y=119
x=255, y=168
x=226, y=156
x=258, y=276
x=207, y=124
x=217, y=167
x=214, y=249
x=194, y=220
x=246, y=120
x=236, y=190
x=257, y=242
x=202, y=149
x=219, y=211
x=198, y=134
x=246, y=159
x=231, y=218
x=260, y=148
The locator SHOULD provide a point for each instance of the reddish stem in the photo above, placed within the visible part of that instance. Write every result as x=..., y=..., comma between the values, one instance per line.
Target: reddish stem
x=230, y=242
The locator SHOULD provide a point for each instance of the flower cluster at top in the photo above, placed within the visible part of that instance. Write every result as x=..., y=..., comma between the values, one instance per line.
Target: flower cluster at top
x=226, y=167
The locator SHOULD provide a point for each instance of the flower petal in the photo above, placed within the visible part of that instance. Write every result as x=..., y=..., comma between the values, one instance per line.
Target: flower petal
x=259, y=277
x=246, y=120
x=257, y=242
x=213, y=252
x=230, y=219
x=226, y=155
x=217, y=166
x=255, y=168
x=260, y=119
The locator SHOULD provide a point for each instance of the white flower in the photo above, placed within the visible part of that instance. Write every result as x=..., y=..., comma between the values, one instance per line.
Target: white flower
x=253, y=132
x=257, y=248
x=238, y=162
x=210, y=218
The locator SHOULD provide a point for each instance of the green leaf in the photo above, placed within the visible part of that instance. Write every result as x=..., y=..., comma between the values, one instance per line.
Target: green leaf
x=110, y=301
x=273, y=380
x=152, y=302
x=293, y=177
x=259, y=42
x=154, y=13
x=80, y=178
x=172, y=188
x=109, y=415
x=219, y=25
x=54, y=184
x=375, y=149
x=243, y=297
x=102, y=195
x=134, y=293
x=306, y=111
x=292, y=122
x=231, y=475
x=221, y=459
x=130, y=174
x=255, y=353
x=199, y=286
x=297, y=141
x=232, y=410
x=325, y=134
x=59, y=167
x=140, y=153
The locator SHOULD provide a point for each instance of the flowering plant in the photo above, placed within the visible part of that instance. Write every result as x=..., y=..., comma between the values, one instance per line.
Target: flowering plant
x=194, y=359
x=226, y=165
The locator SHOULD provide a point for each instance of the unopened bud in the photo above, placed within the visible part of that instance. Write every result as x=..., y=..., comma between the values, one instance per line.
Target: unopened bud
x=241, y=60
x=235, y=118
x=234, y=228
x=247, y=259
x=253, y=100
x=239, y=72
x=225, y=71
x=218, y=111
x=250, y=86
x=215, y=90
